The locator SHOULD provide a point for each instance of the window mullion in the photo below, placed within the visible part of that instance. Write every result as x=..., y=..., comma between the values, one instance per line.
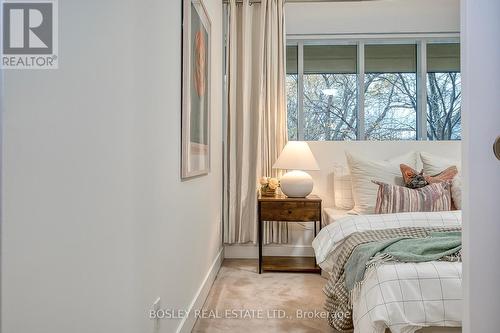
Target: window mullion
x=361, y=91
x=300, y=90
x=422, y=90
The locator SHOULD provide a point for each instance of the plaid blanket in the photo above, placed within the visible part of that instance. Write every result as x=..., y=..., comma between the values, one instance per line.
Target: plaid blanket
x=338, y=302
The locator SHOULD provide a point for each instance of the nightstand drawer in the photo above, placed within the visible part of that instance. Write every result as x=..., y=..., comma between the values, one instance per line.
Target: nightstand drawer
x=290, y=211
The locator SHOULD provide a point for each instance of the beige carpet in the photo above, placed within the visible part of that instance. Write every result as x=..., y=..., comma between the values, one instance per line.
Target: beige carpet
x=249, y=296
x=253, y=297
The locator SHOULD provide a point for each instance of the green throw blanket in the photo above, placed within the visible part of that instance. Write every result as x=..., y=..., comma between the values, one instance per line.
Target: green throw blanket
x=434, y=247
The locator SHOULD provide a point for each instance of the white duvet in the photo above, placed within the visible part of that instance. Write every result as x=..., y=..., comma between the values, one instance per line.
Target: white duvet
x=408, y=296
x=334, y=234
x=402, y=296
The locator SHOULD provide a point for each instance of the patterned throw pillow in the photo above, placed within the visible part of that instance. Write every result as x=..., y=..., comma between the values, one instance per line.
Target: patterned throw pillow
x=398, y=199
x=412, y=178
x=445, y=175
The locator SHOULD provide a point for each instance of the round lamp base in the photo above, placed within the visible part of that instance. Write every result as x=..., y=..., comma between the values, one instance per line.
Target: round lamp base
x=296, y=184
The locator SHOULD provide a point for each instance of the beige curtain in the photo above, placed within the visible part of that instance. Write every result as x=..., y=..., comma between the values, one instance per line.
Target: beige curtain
x=256, y=113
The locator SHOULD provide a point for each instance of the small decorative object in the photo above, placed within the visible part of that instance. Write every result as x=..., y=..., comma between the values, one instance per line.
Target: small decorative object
x=195, y=90
x=296, y=156
x=268, y=186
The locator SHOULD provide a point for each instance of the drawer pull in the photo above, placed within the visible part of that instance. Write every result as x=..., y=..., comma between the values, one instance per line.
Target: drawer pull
x=289, y=211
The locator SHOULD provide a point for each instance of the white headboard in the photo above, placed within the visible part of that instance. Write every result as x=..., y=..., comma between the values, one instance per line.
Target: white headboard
x=330, y=153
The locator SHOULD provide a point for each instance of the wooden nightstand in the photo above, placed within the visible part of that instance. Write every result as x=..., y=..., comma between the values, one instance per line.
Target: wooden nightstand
x=284, y=209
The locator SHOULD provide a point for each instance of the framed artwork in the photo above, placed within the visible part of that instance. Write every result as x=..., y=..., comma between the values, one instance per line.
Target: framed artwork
x=196, y=50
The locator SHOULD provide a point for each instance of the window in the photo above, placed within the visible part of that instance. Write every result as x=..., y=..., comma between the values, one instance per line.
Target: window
x=443, y=92
x=330, y=92
x=390, y=92
x=327, y=102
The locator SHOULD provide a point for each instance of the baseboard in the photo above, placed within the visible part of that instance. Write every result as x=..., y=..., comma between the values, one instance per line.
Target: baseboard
x=251, y=251
x=187, y=323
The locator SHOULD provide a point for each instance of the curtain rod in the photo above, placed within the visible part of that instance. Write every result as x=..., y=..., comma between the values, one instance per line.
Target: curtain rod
x=298, y=1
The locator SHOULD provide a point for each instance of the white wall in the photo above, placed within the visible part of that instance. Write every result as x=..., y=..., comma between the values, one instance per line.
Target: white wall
x=370, y=17
x=96, y=222
x=481, y=124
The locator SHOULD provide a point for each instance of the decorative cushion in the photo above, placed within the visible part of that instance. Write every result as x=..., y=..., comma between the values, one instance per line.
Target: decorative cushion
x=342, y=187
x=446, y=174
x=412, y=178
x=435, y=164
x=363, y=171
x=397, y=199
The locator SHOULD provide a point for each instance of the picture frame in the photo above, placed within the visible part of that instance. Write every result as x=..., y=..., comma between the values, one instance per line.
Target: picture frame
x=196, y=88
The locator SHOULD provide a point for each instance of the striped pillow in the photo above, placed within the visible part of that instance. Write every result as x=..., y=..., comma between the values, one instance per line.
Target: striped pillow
x=398, y=199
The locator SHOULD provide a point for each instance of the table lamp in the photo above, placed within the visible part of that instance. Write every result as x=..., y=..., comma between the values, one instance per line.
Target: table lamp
x=297, y=157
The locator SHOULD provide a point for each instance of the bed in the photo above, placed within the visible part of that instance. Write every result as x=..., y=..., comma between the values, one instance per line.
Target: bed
x=395, y=296
x=404, y=297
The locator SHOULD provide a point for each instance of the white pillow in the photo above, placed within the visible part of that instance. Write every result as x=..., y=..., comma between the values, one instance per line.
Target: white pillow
x=342, y=187
x=456, y=192
x=363, y=171
x=435, y=164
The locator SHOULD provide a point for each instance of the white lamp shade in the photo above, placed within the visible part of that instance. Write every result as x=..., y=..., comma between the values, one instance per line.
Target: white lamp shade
x=296, y=156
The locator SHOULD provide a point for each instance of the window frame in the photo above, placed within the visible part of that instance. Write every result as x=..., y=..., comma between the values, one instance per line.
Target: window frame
x=421, y=42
